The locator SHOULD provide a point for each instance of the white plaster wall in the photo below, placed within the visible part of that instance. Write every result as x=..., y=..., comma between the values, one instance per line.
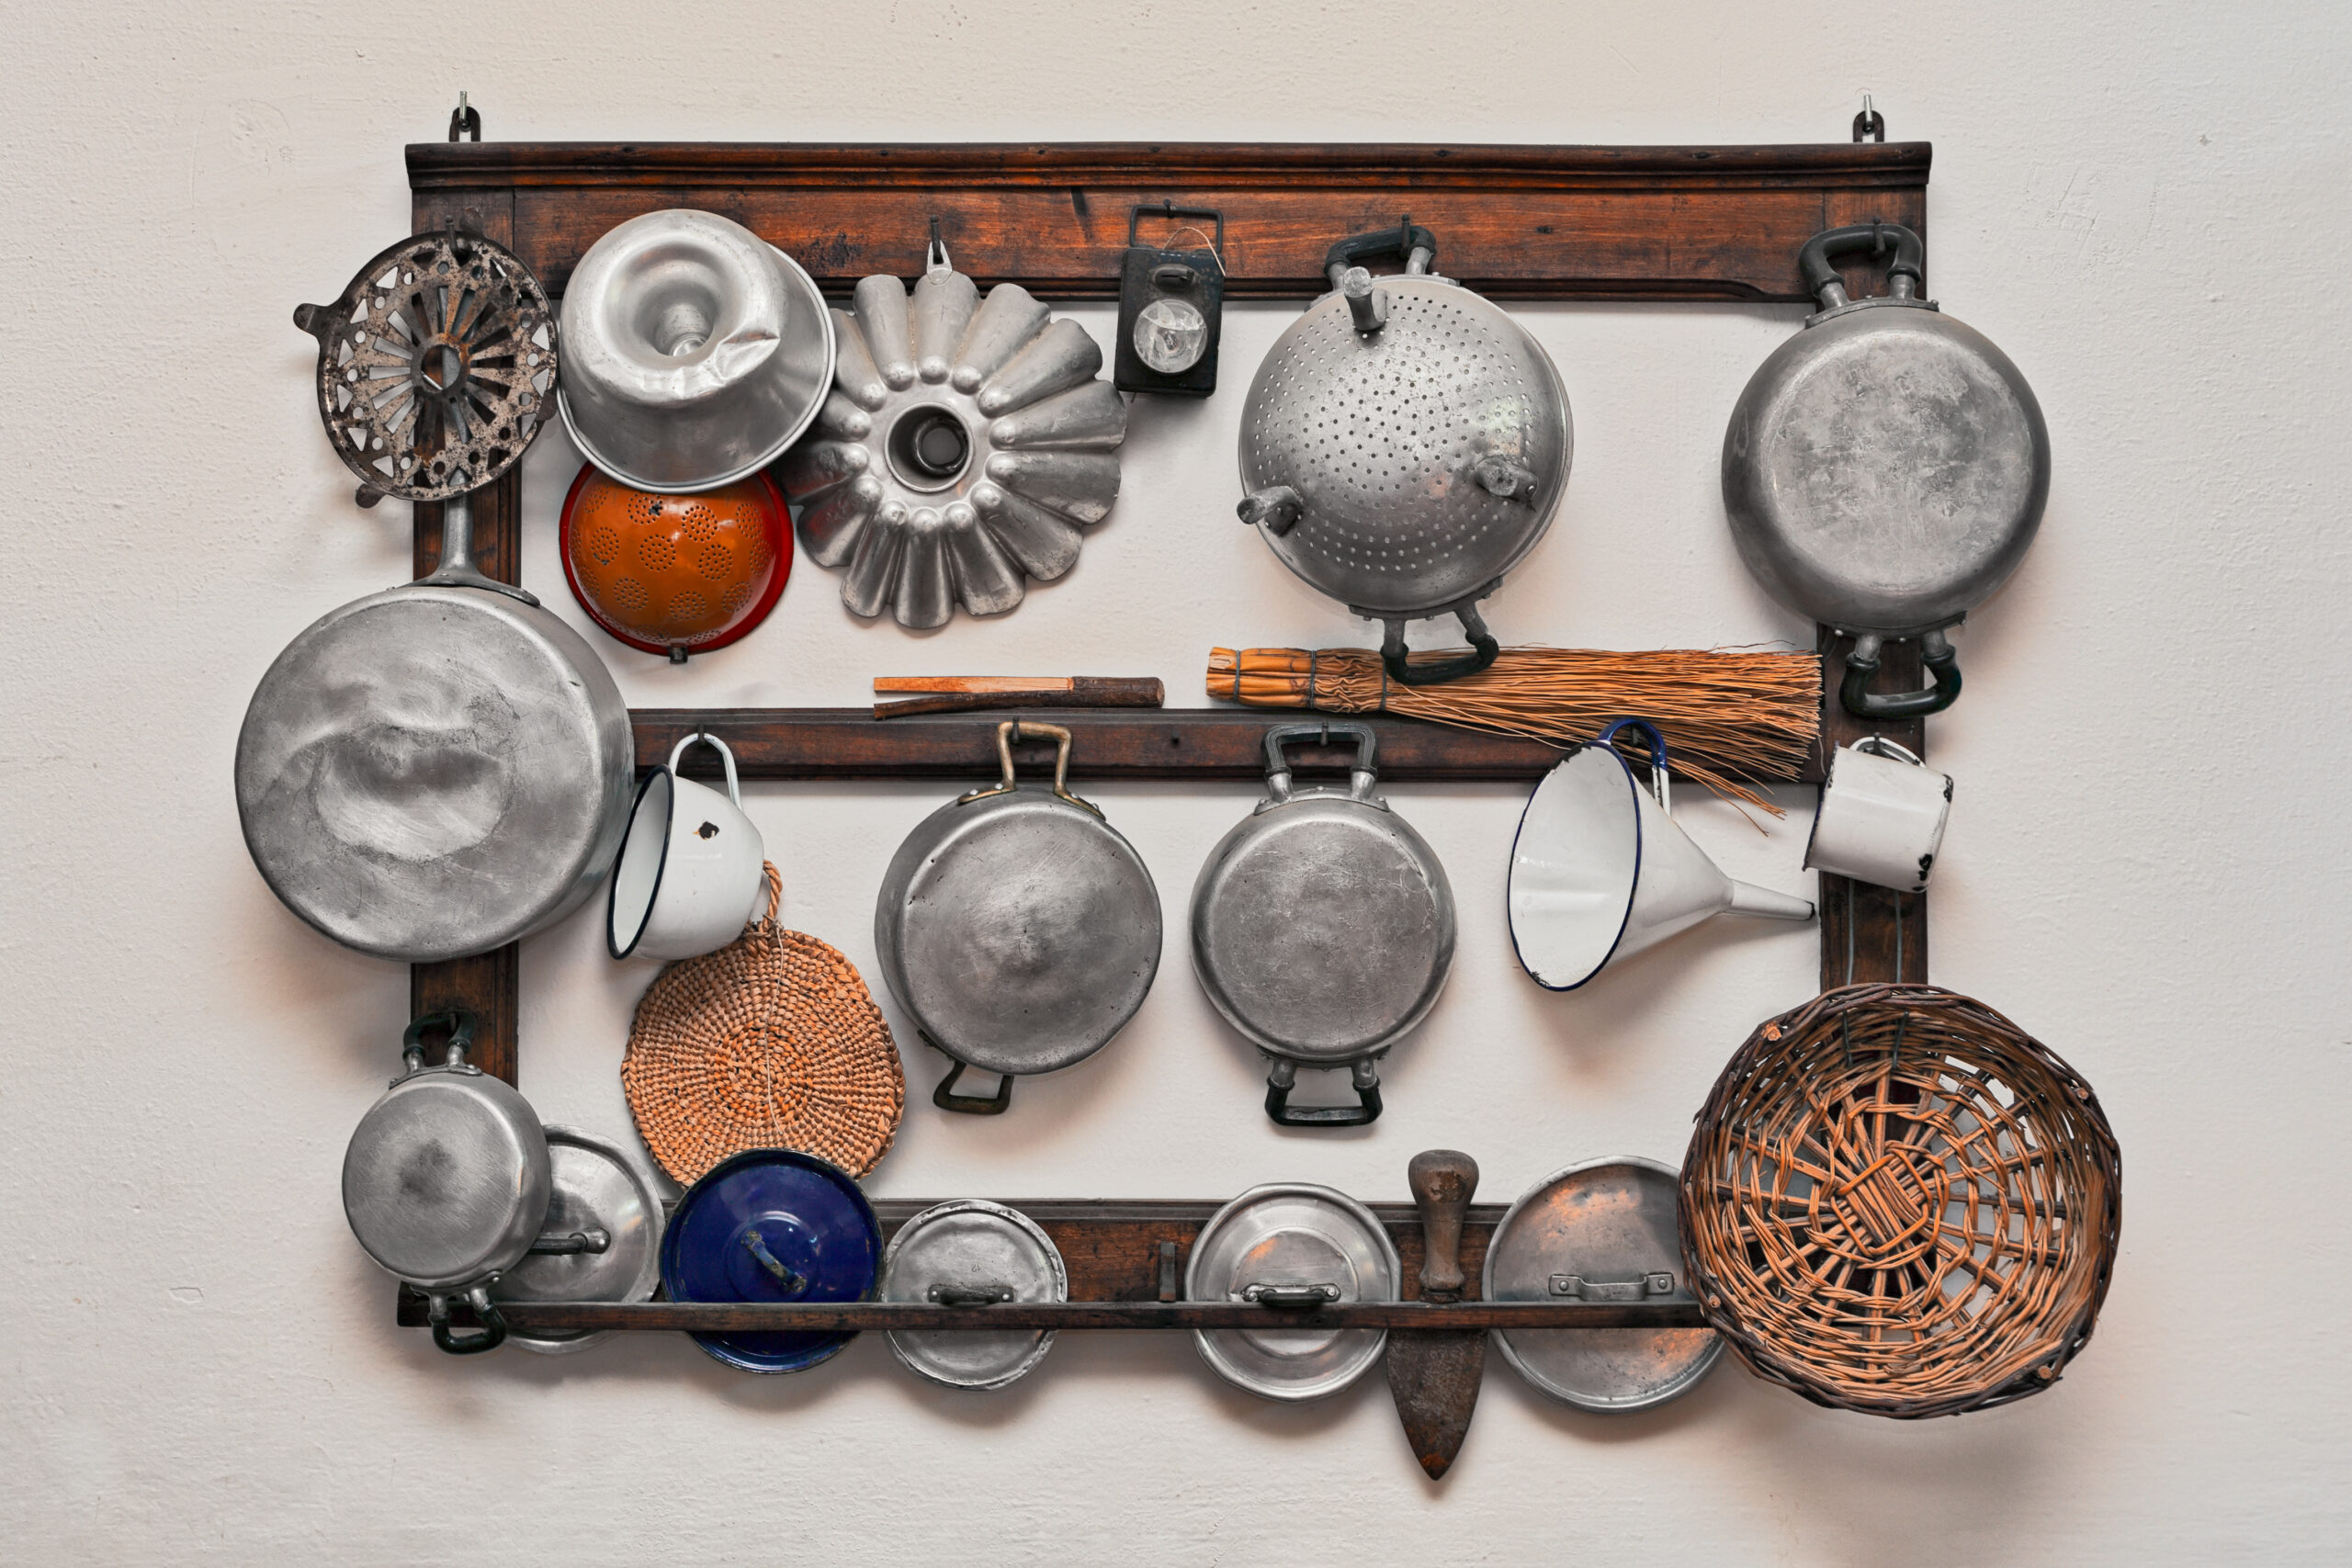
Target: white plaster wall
x=2143, y=203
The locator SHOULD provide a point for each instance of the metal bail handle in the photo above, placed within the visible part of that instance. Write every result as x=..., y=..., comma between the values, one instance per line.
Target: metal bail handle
x=460, y=1024
x=725, y=758
x=1362, y=777
x=1013, y=729
x=1658, y=753
x=1936, y=652
x=1401, y=669
x=493, y=1323
x=1283, y=1076
x=1408, y=242
x=1905, y=275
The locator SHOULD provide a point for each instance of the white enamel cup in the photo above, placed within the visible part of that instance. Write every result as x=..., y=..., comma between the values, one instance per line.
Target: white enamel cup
x=1881, y=816
x=690, y=876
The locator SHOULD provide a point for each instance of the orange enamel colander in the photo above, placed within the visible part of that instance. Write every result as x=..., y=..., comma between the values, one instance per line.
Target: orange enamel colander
x=675, y=574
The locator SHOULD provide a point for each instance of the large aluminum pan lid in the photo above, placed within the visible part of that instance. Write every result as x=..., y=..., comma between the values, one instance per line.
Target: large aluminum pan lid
x=1604, y=1230
x=967, y=1253
x=1323, y=927
x=433, y=772
x=1292, y=1236
x=606, y=1197
x=1021, y=930
x=447, y=1178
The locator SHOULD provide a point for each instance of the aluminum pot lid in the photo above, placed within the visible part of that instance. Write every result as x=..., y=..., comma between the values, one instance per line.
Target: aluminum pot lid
x=1323, y=927
x=447, y=1178
x=1021, y=931
x=970, y=1252
x=1292, y=1236
x=771, y=1225
x=1380, y=434
x=606, y=1198
x=1605, y=1230
x=433, y=772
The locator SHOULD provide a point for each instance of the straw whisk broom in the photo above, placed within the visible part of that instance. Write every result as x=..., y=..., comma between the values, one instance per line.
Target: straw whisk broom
x=1731, y=717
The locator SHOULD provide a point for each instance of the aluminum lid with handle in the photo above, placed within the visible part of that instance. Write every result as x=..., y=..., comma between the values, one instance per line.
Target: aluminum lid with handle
x=1885, y=471
x=1323, y=927
x=1404, y=443
x=1290, y=1247
x=1017, y=927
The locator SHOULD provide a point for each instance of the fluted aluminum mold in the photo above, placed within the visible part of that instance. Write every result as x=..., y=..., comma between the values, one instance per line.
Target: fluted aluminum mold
x=1042, y=432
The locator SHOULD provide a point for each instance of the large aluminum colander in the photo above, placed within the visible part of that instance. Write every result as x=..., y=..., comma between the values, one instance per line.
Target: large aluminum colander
x=1406, y=442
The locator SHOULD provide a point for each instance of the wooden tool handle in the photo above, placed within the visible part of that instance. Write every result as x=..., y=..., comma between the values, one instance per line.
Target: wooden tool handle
x=965, y=693
x=1443, y=1182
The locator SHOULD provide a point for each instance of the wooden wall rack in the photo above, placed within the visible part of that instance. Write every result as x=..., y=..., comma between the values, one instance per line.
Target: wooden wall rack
x=1520, y=222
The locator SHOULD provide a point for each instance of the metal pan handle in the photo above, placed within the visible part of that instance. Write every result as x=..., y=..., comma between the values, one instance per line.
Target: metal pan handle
x=1013, y=729
x=1284, y=1075
x=947, y=1099
x=460, y=1025
x=1408, y=242
x=493, y=1323
x=1936, y=652
x=1362, y=777
x=1904, y=274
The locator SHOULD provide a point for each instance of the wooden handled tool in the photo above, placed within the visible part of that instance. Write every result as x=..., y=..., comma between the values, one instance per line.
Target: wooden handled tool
x=1434, y=1375
x=965, y=693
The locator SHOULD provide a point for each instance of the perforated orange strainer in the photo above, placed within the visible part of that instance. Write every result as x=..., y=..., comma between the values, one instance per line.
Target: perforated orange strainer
x=675, y=574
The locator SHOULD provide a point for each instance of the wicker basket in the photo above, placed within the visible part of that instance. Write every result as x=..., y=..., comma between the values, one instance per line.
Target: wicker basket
x=1897, y=1202
x=772, y=1042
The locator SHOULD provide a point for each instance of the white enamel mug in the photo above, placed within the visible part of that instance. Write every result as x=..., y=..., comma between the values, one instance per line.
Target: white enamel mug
x=1881, y=816
x=690, y=876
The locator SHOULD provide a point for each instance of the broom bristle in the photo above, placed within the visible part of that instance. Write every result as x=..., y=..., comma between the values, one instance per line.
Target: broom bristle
x=1731, y=717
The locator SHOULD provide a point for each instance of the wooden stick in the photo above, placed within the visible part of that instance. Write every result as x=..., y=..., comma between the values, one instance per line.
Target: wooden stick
x=962, y=694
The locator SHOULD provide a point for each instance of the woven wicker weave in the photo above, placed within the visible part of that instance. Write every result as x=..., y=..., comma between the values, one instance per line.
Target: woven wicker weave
x=773, y=1042
x=1897, y=1202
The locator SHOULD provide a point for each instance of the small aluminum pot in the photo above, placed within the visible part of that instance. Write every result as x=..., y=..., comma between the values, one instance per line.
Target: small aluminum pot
x=1323, y=928
x=690, y=875
x=1882, y=816
x=1017, y=928
x=446, y=1180
x=695, y=352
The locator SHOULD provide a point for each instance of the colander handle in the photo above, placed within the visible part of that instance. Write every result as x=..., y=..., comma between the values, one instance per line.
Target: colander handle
x=1821, y=280
x=1483, y=648
x=1409, y=244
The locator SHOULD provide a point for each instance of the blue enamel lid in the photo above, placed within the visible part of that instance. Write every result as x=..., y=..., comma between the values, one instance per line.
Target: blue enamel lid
x=771, y=1225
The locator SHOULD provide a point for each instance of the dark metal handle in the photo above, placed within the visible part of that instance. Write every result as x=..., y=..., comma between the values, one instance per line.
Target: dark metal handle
x=947, y=1099
x=1812, y=257
x=1443, y=1182
x=970, y=1296
x=1400, y=242
x=1281, y=735
x=1285, y=1074
x=493, y=1325
x=458, y=1022
x=1483, y=648
x=1936, y=652
x=792, y=1283
x=1291, y=1296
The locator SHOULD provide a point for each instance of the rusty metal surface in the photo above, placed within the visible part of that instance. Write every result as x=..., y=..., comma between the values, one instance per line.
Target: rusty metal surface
x=435, y=365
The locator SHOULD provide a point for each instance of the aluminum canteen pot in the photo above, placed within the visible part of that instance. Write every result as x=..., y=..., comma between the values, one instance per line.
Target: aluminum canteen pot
x=1323, y=928
x=1017, y=927
x=446, y=1180
x=1404, y=443
x=1886, y=470
x=690, y=875
x=695, y=352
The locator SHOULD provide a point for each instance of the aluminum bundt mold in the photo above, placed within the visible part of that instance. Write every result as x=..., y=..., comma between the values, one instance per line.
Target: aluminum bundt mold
x=964, y=448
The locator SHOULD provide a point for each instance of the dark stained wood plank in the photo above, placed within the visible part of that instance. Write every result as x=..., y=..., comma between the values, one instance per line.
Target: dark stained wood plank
x=1406, y=1316
x=1197, y=744
x=490, y=984
x=1869, y=934
x=1515, y=222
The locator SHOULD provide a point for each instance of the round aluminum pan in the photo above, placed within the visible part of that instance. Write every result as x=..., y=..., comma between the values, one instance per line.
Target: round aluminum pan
x=1602, y=1230
x=1292, y=1234
x=966, y=1252
x=599, y=1188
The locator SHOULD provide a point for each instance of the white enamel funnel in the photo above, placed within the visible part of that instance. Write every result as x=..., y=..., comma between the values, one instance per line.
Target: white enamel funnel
x=1600, y=869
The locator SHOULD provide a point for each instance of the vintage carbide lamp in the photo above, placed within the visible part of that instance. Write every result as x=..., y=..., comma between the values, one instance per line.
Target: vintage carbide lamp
x=1170, y=303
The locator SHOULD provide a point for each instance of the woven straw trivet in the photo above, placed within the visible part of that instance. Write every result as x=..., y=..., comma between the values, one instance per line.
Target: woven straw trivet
x=772, y=1042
